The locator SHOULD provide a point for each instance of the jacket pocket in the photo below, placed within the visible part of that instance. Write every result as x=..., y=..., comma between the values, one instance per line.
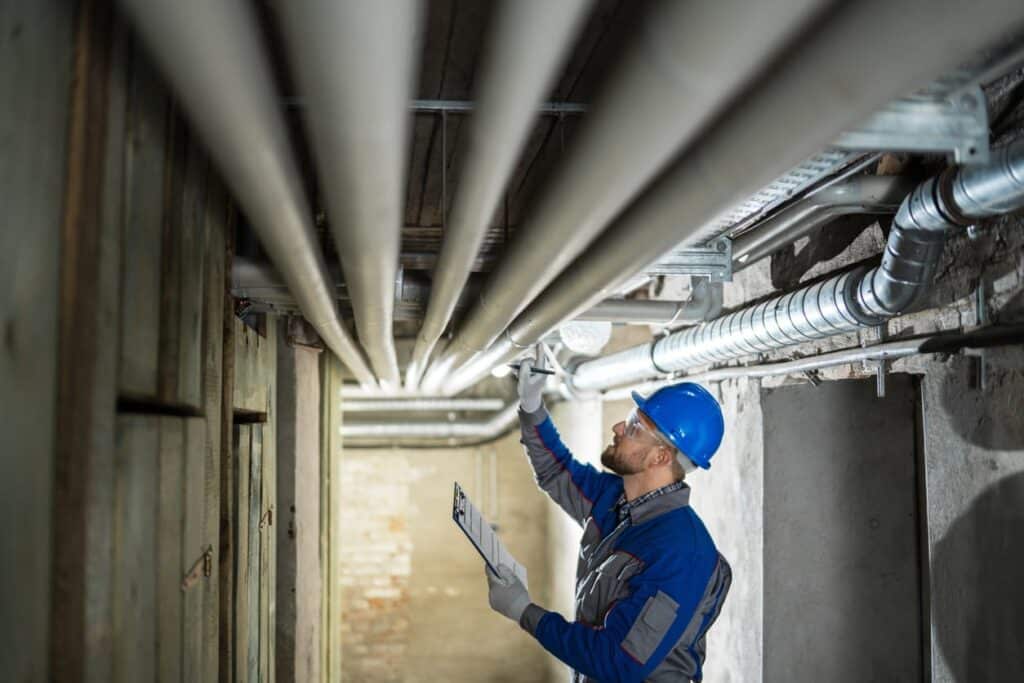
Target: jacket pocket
x=650, y=627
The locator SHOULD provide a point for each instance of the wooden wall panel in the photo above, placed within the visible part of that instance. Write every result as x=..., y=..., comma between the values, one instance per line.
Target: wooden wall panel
x=242, y=450
x=255, y=363
x=135, y=496
x=36, y=48
x=141, y=241
x=170, y=546
x=194, y=546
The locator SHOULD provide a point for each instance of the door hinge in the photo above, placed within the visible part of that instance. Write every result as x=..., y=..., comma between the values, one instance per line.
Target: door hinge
x=203, y=566
x=268, y=518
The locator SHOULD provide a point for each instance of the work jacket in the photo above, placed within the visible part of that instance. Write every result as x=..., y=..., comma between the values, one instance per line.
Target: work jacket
x=647, y=588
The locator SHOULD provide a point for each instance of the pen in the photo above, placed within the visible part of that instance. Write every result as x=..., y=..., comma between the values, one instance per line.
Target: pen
x=539, y=371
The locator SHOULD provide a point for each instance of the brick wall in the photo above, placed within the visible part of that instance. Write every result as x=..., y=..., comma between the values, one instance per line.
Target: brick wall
x=414, y=597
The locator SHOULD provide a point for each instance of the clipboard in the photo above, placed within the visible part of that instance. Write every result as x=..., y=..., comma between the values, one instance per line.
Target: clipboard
x=482, y=536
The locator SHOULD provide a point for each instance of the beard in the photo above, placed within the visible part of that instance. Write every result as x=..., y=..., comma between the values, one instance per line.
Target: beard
x=617, y=462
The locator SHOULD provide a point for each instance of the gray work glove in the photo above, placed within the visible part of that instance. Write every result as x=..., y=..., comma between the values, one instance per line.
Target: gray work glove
x=531, y=384
x=508, y=595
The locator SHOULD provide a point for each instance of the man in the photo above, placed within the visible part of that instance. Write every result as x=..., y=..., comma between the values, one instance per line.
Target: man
x=649, y=581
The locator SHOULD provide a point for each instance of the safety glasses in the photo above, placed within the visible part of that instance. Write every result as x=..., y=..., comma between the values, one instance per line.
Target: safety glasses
x=635, y=425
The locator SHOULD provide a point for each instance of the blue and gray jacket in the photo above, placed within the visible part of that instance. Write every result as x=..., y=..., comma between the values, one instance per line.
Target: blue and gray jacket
x=647, y=588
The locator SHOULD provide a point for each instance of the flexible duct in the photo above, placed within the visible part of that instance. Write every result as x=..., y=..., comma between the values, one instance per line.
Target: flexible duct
x=859, y=195
x=212, y=56
x=677, y=75
x=842, y=303
x=355, y=63
x=753, y=143
x=529, y=46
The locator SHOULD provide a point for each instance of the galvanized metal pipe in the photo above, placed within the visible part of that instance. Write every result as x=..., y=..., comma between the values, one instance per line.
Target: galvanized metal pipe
x=859, y=195
x=526, y=53
x=772, y=131
x=355, y=64
x=846, y=302
x=676, y=77
x=212, y=55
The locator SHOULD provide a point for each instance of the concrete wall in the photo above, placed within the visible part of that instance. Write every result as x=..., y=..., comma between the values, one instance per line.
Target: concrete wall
x=974, y=482
x=841, y=573
x=582, y=429
x=414, y=594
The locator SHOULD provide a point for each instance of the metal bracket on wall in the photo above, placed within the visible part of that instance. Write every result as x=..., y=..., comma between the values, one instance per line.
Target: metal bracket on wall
x=713, y=260
x=922, y=123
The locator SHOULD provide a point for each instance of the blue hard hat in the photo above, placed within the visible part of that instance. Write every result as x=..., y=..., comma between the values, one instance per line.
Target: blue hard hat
x=688, y=416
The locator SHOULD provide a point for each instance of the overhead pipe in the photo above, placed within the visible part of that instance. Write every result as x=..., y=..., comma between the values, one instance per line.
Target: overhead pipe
x=704, y=304
x=403, y=405
x=852, y=300
x=882, y=352
x=213, y=57
x=866, y=194
x=770, y=132
x=675, y=77
x=531, y=40
x=482, y=430
x=355, y=66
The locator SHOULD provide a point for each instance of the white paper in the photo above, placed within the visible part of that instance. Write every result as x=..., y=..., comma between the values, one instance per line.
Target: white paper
x=482, y=536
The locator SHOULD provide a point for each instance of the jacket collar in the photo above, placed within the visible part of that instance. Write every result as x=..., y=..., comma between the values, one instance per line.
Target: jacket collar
x=654, y=503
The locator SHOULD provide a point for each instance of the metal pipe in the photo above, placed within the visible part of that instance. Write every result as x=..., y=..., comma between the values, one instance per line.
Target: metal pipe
x=859, y=195
x=531, y=42
x=485, y=429
x=401, y=405
x=843, y=303
x=355, y=63
x=704, y=304
x=677, y=75
x=212, y=55
x=884, y=352
x=469, y=106
x=754, y=143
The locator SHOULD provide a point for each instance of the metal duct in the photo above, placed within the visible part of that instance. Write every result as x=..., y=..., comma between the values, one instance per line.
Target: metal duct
x=843, y=303
x=354, y=63
x=859, y=195
x=530, y=43
x=212, y=56
x=486, y=429
x=677, y=75
x=401, y=405
x=752, y=144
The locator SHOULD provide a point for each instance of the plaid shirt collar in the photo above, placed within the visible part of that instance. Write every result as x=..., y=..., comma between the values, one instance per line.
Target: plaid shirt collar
x=632, y=508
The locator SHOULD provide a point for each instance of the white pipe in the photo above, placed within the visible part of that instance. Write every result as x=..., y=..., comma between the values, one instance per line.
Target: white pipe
x=688, y=61
x=486, y=429
x=400, y=405
x=212, y=55
x=530, y=43
x=355, y=65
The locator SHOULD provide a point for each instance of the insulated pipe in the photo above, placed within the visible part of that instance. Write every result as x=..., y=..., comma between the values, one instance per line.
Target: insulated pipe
x=486, y=429
x=400, y=405
x=677, y=75
x=843, y=303
x=909, y=43
x=705, y=303
x=531, y=39
x=212, y=55
x=860, y=195
x=354, y=63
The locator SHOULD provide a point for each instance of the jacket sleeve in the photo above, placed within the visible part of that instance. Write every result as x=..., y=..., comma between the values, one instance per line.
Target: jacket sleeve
x=573, y=485
x=637, y=634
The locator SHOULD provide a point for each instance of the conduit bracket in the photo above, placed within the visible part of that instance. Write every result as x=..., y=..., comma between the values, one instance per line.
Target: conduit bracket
x=713, y=260
x=956, y=124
